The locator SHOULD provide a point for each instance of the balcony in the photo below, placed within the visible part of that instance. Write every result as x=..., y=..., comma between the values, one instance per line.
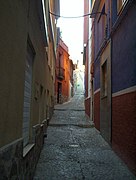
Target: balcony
x=60, y=73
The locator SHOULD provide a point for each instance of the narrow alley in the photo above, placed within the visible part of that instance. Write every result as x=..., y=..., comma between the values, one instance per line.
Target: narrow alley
x=74, y=149
x=68, y=90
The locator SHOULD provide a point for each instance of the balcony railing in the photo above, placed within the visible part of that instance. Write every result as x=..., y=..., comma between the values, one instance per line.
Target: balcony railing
x=60, y=72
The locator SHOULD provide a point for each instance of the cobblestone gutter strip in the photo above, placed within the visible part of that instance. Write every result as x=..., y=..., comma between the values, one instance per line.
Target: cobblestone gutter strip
x=69, y=109
x=77, y=125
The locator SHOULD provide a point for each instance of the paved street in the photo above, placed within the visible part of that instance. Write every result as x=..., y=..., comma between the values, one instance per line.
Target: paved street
x=75, y=150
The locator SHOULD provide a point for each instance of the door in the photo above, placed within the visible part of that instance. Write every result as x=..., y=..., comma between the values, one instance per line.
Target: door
x=59, y=92
x=105, y=95
x=92, y=100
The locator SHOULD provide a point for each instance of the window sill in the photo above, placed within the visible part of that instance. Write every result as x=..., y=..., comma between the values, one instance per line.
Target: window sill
x=27, y=149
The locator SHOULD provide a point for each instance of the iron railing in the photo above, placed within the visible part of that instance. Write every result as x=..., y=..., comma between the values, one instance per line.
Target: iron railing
x=60, y=72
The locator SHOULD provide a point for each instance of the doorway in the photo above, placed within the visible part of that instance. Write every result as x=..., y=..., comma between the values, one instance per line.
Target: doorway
x=59, y=92
x=105, y=95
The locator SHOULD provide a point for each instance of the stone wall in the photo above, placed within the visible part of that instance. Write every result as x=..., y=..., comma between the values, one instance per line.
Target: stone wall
x=11, y=158
x=17, y=162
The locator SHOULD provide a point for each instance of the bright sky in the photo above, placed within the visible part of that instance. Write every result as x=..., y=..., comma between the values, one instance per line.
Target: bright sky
x=72, y=29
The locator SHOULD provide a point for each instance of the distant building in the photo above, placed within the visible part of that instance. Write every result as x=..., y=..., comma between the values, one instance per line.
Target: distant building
x=64, y=74
x=27, y=76
x=71, y=70
x=78, y=79
x=112, y=103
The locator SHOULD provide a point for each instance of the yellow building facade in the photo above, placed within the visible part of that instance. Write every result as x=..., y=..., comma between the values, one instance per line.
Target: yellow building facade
x=28, y=53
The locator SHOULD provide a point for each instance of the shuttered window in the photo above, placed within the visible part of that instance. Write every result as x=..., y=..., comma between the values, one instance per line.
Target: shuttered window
x=27, y=94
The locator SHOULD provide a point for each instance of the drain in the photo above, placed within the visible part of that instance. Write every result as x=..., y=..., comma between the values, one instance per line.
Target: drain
x=74, y=145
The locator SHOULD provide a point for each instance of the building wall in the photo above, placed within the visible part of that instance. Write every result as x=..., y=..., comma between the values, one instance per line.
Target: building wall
x=52, y=54
x=124, y=127
x=63, y=54
x=92, y=70
x=97, y=93
x=87, y=106
x=116, y=119
x=87, y=57
x=124, y=88
x=86, y=73
x=101, y=54
x=86, y=20
x=13, y=48
x=105, y=92
x=97, y=109
x=71, y=83
x=67, y=77
x=22, y=21
x=13, y=59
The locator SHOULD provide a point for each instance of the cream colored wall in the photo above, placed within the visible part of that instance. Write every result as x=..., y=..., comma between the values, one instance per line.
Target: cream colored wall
x=52, y=55
x=13, y=35
x=19, y=19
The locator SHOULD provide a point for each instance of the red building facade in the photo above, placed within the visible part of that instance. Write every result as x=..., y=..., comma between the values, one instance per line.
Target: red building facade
x=64, y=71
x=124, y=81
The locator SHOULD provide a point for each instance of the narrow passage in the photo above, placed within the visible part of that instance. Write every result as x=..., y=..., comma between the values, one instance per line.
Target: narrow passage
x=75, y=150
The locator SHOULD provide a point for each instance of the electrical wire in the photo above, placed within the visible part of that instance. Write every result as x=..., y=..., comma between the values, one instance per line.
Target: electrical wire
x=70, y=17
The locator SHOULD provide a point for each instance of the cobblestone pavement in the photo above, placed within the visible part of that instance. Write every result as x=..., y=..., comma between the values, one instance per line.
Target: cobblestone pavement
x=74, y=149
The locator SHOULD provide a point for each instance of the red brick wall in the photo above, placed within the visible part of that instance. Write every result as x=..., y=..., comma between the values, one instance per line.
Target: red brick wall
x=97, y=110
x=87, y=106
x=124, y=128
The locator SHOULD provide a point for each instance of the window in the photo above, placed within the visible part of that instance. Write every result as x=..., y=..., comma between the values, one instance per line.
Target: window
x=60, y=61
x=101, y=27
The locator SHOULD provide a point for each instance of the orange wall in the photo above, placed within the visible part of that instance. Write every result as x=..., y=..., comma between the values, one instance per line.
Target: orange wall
x=65, y=85
x=65, y=63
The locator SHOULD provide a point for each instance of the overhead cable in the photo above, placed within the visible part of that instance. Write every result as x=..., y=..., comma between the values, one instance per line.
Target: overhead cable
x=70, y=17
